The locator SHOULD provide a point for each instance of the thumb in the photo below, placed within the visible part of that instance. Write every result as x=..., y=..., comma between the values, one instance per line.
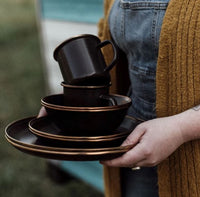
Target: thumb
x=42, y=112
x=135, y=136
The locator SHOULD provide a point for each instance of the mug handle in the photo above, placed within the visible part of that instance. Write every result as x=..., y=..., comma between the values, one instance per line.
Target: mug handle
x=114, y=61
x=110, y=99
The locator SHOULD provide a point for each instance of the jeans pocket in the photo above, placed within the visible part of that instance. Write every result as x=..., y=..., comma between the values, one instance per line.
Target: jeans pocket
x=143, y=92
x=141, y=109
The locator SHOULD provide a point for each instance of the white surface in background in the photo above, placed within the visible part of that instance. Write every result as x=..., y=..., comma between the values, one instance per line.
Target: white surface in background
x=53, y=33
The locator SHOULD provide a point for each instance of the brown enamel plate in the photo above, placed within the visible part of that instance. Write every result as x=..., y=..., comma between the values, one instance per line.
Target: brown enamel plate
x=18, y=134
x=70, y=156
x=45, y=127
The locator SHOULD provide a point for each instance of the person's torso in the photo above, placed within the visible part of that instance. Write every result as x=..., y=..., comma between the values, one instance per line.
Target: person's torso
x=135, y=26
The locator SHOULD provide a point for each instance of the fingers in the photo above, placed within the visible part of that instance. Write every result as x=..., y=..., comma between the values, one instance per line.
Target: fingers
x=42, y=112
x=129, y=159
x=133, y=156
x=135, y=136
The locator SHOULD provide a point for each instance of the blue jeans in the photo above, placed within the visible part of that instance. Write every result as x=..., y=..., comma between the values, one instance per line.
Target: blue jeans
x=139, y=183
x=135, y=27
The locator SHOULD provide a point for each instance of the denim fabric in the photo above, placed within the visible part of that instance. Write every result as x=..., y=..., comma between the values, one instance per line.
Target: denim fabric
x=135, y=27
x=139, y=183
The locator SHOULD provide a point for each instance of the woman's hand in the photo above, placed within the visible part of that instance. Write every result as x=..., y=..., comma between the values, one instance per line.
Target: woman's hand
x=153, y=141
x=42, y=112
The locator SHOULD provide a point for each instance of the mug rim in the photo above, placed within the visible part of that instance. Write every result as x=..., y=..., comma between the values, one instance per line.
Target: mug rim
x=71, y=39
x=85, y=86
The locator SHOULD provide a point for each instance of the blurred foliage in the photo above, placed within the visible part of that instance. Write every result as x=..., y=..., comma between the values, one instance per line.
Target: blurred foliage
x=20, y=61
x=21, y=88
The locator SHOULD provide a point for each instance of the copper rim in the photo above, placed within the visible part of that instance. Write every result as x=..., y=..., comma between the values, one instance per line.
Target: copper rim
x=54, y=148
x=88, y=109
x=65, y=149
x=69, y=40
x=41, y=150
x=84, y=87
x=74, y=138
x=15, y=121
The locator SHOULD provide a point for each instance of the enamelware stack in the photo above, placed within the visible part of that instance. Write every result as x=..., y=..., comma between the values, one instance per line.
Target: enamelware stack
x=84, y=122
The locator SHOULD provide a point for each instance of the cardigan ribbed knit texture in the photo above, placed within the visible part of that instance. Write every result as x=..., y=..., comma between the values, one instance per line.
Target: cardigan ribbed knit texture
x=177, y=89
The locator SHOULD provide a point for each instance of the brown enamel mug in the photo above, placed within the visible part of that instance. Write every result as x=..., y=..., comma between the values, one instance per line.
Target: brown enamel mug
x=87, y=96
x=81, y=60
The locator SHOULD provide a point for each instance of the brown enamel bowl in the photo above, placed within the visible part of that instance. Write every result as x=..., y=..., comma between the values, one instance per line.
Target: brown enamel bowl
x=87, y=96
x=86, y=121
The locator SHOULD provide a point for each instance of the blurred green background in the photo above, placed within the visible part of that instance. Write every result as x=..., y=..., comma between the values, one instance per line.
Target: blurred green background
x=22, y=85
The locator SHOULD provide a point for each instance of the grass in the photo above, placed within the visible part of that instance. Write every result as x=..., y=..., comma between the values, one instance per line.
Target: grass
x=21, y=87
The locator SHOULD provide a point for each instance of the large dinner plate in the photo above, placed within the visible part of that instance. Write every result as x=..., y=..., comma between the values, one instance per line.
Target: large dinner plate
x=70, y=155
x=18, y=135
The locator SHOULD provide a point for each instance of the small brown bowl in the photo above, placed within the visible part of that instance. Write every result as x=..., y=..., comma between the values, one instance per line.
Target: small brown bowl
x=86, y=121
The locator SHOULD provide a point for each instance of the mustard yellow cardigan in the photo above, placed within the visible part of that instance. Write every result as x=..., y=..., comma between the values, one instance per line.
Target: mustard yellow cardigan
x=177, y=89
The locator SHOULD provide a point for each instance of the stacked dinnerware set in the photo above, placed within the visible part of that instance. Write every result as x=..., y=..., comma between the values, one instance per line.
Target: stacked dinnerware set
x=83, y=123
